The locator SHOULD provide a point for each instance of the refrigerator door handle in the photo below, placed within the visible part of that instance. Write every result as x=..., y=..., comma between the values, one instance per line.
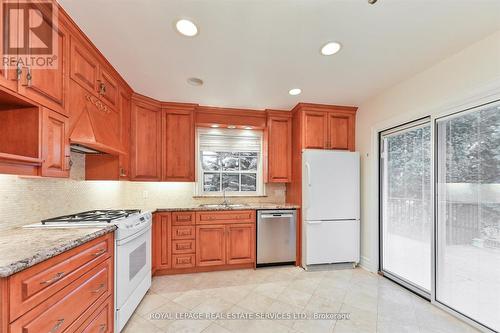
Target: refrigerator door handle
x=314, y=222
x=308, y=173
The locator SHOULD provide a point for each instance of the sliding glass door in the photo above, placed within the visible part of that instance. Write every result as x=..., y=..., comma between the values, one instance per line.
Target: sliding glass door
x=406, y=206
x=468, y=214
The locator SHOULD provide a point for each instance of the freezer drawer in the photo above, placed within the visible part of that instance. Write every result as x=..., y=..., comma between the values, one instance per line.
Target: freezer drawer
x=332, y=241
x=276, y=237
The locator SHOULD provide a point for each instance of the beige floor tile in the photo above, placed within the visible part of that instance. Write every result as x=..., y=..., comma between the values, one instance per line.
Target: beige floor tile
x=213, y=305
x=137, y=324
x=392, y=327
x=187, y=326
x=214, y=328
x=295, y=297
x=256, y=303
x=192, y=298
x=149, y=303
x=271, y=289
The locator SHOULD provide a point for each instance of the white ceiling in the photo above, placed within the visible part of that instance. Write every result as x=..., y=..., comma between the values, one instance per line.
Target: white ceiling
x=251, y=52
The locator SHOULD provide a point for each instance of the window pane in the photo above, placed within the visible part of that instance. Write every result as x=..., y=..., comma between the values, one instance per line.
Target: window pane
x=210, y=161
x=468, y=208
x=229, y=161
x=406, y=205
x=230, y=182
x=211, y=182
x=249, y=182
x=248, y=161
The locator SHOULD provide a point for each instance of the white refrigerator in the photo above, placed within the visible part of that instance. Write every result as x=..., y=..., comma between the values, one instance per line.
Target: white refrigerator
x=331, y=207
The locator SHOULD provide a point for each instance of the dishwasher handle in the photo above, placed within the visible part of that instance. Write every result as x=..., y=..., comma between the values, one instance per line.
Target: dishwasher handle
x=267, y=216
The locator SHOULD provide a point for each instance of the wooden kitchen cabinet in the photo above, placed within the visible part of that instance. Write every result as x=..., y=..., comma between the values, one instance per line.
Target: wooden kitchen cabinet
x=55, y=145
x=146, y=140
x=279, y=143
x=210, y=245
x=48, y=86
x=161, y=241
x=84, y=66
x=315, y=130
x=240, y=243
x=107, y=87
x=8, y=77
x=71, y=292
x=178, y=143
x=327, y=126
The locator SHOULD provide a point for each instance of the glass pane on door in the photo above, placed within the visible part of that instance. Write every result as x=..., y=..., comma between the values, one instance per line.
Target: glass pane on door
x=406, y=206
x=468, y=214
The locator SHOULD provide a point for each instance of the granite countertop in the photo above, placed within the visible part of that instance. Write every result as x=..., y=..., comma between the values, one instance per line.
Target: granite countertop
x=249, y=206
x=21, y=248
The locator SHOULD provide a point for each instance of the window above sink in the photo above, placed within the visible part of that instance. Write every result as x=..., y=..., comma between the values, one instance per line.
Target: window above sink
x=229, y=160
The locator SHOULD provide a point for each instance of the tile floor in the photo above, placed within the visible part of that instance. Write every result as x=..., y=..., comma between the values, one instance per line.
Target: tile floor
x=375, y=304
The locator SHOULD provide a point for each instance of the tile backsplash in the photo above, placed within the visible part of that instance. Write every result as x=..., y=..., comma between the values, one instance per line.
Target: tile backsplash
x=25, y=200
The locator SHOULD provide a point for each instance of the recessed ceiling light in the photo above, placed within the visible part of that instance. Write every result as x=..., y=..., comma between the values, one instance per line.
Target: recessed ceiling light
x=194, y=81
x=331, y=48
x=295, y=91
x=231, y=126
x=248, y=127
x=186, y=27
x=214, y=126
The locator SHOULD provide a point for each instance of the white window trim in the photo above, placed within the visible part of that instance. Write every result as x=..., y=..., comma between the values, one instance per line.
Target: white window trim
x=198, y=189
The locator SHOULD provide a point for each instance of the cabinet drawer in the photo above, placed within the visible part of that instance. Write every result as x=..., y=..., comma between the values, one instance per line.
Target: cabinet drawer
x=183, y=232
x=34, y=285
x=100, y=321
x=183, y=260
x=183, y=246
x=182, y=218
x=234, y=216
x=58, y=312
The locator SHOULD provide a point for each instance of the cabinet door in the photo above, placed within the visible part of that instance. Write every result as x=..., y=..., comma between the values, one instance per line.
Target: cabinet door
x=84, y=67
x=210, y=245
x=314, y=130
x=48, y=86
x=161, y=241
x=145, y=155
x=240, y=243
x=107, y=87
x=8, y=77
x=125, y=134
x=279, y=149
x=178, y=145
x=55, y=145
x=340, y=131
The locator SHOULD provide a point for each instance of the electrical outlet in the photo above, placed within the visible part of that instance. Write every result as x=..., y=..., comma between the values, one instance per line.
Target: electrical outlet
x=145, y=194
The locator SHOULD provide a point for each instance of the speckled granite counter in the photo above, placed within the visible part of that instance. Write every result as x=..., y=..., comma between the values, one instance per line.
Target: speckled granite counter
x=250, y=206
x=21, y=248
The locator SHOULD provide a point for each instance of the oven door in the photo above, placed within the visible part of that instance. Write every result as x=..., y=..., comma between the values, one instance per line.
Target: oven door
x=133, y=264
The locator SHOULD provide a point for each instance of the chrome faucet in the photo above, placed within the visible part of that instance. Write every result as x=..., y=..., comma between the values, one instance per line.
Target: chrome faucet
x=224, y=203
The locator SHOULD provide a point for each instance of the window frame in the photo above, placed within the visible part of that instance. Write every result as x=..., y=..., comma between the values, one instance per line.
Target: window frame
x=260, y=186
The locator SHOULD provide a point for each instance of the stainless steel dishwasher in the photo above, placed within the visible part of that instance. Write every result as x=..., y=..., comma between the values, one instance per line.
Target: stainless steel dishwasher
x=276, y=237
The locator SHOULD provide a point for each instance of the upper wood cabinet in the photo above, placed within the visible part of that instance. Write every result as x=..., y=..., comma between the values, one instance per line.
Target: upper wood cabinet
x=327, y=126
x=315, y=130
x=125, y=100
x=279, y=146
x=8, y=77
x=146, y=140
x=178, y=144
x=55, y=145
x=48, y=86
x=84, y=65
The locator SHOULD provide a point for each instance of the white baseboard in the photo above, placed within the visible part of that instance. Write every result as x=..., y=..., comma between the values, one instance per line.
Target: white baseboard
x=365, y=263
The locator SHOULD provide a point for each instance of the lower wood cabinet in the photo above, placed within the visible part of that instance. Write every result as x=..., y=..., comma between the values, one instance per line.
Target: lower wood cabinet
x=71, y=292
x=203, y=241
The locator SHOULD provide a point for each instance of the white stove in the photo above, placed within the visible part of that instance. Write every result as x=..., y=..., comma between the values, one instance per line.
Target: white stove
x=132, y=252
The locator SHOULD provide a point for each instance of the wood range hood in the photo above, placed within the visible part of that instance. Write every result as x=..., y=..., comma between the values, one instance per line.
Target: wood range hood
x=93, y=129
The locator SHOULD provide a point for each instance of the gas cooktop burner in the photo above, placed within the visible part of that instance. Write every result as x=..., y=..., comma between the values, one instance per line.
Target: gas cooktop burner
x=93, y=216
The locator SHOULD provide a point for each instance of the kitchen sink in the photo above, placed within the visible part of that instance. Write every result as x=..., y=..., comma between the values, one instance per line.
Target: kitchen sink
x=223, y=205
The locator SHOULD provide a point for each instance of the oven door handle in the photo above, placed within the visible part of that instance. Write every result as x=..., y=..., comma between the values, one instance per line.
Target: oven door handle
x=134, y=236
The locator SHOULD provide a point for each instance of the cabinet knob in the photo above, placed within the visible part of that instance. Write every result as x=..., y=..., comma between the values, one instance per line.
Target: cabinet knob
x=102, y=89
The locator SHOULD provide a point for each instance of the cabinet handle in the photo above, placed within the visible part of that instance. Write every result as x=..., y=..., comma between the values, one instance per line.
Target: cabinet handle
x=56, y=278
x=98, y=253
x=29, y=77
x=101, y=287
x=123, y=173
x=57, y=326
x=102, y=88
x=102, y=327
x=19, y=71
